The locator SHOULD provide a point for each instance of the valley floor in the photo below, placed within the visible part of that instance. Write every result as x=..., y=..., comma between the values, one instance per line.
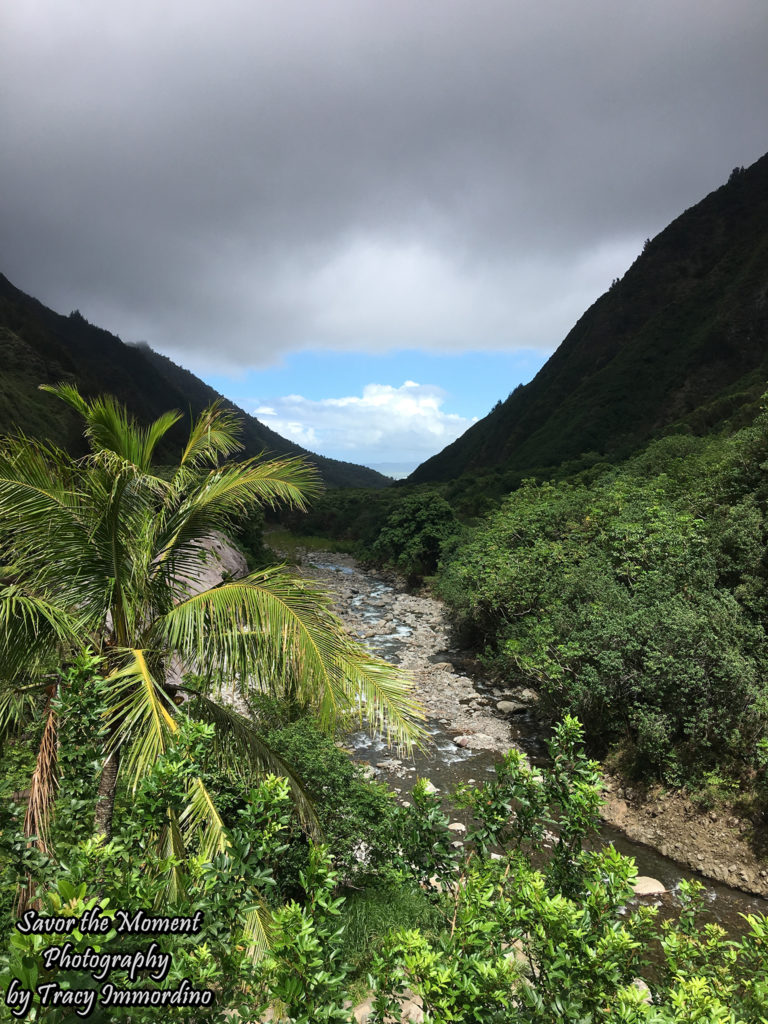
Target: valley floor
x=718, y=844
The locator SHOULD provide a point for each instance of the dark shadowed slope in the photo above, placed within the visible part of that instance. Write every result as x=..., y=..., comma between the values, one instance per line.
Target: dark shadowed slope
x=39, y=346
x=682, y=336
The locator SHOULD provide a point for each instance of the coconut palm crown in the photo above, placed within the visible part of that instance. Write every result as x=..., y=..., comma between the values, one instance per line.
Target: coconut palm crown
x=99, y=554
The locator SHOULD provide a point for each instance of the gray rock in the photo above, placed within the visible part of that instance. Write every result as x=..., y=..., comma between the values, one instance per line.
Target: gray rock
x=641, y=987
x=511, y=707
x=476, y=741
x=526, y=695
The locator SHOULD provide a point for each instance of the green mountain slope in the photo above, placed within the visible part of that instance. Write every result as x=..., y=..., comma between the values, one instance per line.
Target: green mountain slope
x=39, y=346
x=682, y=336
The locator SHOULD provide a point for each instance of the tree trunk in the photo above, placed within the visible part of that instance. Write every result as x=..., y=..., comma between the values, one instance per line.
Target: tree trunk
x=105, y=801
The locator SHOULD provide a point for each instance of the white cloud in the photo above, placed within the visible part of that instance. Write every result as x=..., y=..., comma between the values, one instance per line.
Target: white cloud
x=406, y=423
x=378, y=294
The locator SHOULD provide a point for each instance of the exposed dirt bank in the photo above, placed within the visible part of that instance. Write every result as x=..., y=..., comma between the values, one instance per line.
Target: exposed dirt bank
x=719, y=844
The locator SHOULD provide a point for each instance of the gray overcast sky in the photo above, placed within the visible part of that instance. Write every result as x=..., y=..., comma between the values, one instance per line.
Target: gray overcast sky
x=235, y=180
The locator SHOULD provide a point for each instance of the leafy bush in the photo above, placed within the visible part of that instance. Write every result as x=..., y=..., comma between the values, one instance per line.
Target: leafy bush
x=414, y=535
x=636, y=603
x=563, y=941
x=356, y=814
x=495, y=938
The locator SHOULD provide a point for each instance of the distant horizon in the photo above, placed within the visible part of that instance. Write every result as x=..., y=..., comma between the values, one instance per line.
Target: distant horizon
x=395, y=470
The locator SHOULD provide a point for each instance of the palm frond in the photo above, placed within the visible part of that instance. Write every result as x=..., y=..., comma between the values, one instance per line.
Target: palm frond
x=210, y=503
x=47, y=504
x=201, y=817
x=18, y=706
x=108, y=426
x=383, y=699
x=67, y=393
x=274, y=632
x=154, y=433
x=277, y=481
x=256, y=931
x=32, y=630
x=42, y=789
x=265, y=628
x=37, y=502
x=38, y=463
x=139, y=710
x=172, y=849
x=214, y=434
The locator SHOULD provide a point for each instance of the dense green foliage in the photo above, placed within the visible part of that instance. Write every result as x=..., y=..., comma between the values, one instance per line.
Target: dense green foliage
x=637, y=601
x=635, y=596
x=475, y=934
x=355, y=515
x=356, y=816
x=681, y=339
x=415, y=534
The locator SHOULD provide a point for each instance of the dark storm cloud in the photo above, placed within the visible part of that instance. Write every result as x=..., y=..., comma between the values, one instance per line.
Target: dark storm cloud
x=360, y=173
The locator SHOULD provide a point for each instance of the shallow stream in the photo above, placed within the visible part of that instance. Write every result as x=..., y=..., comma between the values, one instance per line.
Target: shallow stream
x=367, y=601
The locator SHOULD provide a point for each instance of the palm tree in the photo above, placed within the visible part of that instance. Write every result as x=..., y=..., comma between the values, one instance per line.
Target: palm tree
x=99, y=554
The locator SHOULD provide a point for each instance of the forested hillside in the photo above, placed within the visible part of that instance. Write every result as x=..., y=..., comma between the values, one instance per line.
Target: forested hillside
x=39, y=346
x=680, y=342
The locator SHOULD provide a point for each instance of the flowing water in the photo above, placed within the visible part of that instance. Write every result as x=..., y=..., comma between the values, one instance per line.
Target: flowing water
x=447, y=765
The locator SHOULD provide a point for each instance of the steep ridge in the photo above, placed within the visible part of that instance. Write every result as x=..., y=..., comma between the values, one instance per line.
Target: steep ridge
x=681, y=339
x=39, y=346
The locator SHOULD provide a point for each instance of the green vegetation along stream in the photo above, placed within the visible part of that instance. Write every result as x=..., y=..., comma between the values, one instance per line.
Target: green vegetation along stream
x=468, y=733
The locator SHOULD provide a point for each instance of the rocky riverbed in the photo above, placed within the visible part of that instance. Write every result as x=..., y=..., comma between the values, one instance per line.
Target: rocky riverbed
x=477, y=715
x=413, y=632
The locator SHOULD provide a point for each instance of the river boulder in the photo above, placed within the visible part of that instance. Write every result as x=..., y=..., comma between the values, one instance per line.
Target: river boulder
x=644, y=885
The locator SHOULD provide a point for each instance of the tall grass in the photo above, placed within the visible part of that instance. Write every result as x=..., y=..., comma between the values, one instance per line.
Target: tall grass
x=369, y=915
x=291, y=546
